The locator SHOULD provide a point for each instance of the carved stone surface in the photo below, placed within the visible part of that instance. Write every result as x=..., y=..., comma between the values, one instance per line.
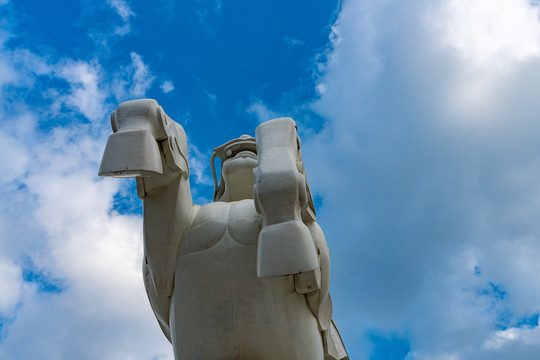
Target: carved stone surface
x=246, y=276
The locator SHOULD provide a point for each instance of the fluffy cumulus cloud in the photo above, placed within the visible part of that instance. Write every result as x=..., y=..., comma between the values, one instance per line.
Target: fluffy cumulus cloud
x=488, y=32
x=70, y=261
x=428, y=172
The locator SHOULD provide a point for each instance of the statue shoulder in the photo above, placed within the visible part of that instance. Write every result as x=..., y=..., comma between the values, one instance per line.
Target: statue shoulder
x=214, y=211
x=207, y=226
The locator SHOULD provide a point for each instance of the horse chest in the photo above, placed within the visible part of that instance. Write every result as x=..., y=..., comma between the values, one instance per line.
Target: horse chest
x=215, y=222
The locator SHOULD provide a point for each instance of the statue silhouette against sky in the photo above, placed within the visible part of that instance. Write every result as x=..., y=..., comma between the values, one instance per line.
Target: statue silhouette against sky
x=246, y=276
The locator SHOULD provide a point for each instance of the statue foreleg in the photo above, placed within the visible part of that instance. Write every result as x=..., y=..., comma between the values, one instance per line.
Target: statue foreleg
x=285, y=246
x=150, y=146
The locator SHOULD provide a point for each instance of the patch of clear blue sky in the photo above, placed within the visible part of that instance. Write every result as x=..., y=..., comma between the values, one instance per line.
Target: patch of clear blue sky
x=505, y=317
x=238, y=54
x=44, y=282
x=528, y=321
x=389, y=347
x=124, y=202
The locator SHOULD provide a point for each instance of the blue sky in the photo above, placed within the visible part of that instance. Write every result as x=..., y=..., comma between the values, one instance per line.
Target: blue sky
x=420, y=130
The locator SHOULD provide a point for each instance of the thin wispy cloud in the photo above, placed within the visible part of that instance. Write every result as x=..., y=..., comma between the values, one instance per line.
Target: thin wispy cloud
x=293, y=42
x=124, y=11
x=261, y=111
x=134, y=81
x=199, y=166
x=207, y=13
x=122, y=8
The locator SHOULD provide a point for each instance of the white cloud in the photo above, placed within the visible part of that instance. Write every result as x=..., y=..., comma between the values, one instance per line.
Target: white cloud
x=489, y=32
x=428, y=172
x=19, y=67
x=85, y=96
x=207, y=13
x=491, y=41
x=212, y=100
x=262, y=111
x=320, y=88
x=442, y=356
x=167, y=86
x=292, y=41
x=15, y=159
x=7, y=74
x=123, y=29
x=199, y=165
x=95, y=254
x=134, y=81
x=501, y=338
x=57, y=221
x=122, y=8
x=142, y=77
x=10, y=286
